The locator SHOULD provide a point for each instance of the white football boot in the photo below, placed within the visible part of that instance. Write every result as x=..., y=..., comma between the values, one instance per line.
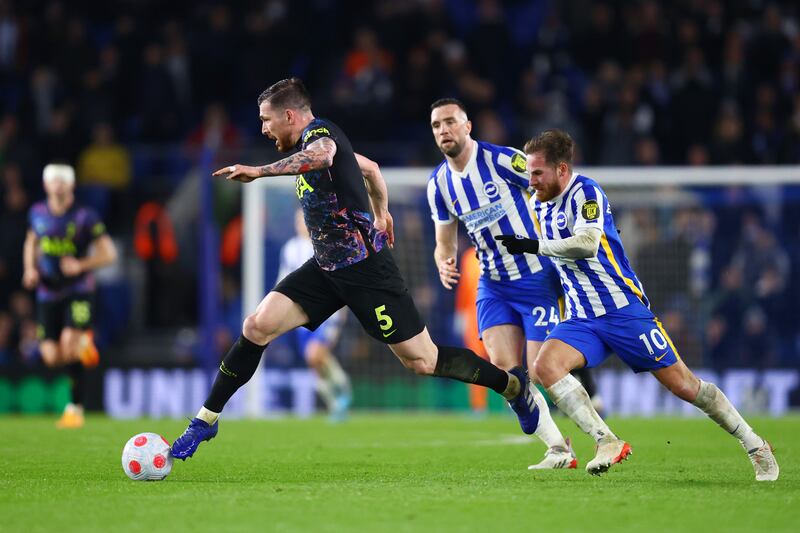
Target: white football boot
x=764, y=462
x=557, y=457
x=608, y=453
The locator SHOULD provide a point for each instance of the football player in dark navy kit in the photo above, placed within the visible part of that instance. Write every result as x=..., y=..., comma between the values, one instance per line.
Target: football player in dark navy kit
x=65, y=244
x=345, y=206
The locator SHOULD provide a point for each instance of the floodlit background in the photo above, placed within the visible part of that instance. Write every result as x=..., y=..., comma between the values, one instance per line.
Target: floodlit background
x=145, y=98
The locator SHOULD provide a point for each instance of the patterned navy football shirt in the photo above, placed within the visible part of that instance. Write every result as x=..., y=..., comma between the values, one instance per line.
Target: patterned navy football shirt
x=335, y=203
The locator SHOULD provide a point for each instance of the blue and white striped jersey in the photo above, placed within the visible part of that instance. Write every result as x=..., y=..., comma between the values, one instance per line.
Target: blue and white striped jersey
x=595, y=286
x=491, y=198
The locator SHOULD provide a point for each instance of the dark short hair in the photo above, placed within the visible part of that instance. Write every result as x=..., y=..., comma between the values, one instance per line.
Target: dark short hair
x=557, y=146
x=287, y=94
x=449, y=101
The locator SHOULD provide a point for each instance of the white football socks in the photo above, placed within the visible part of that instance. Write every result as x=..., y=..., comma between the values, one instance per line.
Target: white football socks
x=571, y=398
x=716, y=405
x=547, y=429
x=207, y=416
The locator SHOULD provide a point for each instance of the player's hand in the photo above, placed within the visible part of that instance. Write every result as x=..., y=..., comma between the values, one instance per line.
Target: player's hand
x=448, y=272
x=241, y=173
x=70, y=266
x=518, y=245
x=30, y=278
x=385, y=224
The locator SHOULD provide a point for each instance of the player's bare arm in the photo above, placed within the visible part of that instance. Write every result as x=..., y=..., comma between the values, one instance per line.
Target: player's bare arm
x=378, y=196
x=445, y=254
x=104, y=253
x=30, y=276
x=315, y=156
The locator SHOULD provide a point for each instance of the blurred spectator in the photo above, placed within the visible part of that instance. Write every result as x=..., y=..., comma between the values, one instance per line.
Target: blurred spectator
x=13, y=226
x=726, y=309
x=490, y=127
x=759, y=254
x=104, y=162
x=643, y=83
x=6, y=339
x=215, y=133
x=727, y=146
x=365, y=87
x=157, y=100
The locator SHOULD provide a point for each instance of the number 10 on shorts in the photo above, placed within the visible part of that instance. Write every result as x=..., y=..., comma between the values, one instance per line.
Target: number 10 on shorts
x=384, y=321
x=657, y=339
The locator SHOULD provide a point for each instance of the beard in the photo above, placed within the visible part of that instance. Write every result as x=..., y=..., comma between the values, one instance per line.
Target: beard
x=454, y=149
x=547, y=193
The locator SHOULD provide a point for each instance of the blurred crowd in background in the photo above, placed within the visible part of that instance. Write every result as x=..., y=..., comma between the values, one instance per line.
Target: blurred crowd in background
x=135, y=93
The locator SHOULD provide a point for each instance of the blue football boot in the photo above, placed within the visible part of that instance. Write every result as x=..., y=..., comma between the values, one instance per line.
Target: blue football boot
x=197, y=432
x=523, y=403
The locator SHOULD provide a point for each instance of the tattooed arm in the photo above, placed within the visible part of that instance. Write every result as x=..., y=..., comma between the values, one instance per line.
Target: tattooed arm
x=316, y=155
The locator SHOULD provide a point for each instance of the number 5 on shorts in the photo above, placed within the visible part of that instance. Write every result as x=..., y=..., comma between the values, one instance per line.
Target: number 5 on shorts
x=384, y=321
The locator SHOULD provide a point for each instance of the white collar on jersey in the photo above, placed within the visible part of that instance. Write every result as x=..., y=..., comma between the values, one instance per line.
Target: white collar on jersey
x=562, y=193
x=471, y=163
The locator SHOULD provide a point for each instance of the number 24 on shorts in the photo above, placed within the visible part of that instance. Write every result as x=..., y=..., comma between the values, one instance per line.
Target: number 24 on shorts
x=384, y=321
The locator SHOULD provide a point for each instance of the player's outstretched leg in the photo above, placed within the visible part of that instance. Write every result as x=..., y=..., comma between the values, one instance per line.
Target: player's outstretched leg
x=559, y=452
x=716, y=405
x=571, y=398
x=713, y=402
x=586, y=378
x=555, y=361
x=505, y=343
x=421, y=355
x=275, y=315
x=235, y=370
x=524, y=404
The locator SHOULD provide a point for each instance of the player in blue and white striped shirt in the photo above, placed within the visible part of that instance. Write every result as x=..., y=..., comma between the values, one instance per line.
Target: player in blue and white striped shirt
x=485, y=187
x=607, y=310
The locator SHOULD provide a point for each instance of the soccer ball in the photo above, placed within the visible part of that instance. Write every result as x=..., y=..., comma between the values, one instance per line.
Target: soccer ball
x=146, y=457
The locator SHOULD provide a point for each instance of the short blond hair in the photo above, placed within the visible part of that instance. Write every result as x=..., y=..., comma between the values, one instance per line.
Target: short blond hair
x=54, y=171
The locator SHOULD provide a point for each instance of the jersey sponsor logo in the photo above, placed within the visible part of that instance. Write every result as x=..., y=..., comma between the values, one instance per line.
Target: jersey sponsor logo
x=590, y=210
x=57, y=246
x=480, y=218
x=561, y=220
x=316, y=131
x=660, y=357
x=490, y=189
x=518, y=163
x=301, y=186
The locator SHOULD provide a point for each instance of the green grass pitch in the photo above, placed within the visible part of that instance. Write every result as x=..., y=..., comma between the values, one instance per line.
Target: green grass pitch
x=393, y=472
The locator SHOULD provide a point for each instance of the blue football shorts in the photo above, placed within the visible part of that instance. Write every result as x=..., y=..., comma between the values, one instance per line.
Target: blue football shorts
x=633, y=333
x=530, y=303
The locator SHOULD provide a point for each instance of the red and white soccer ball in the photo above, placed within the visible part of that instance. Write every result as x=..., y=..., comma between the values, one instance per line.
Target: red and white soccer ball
x=146, y=457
